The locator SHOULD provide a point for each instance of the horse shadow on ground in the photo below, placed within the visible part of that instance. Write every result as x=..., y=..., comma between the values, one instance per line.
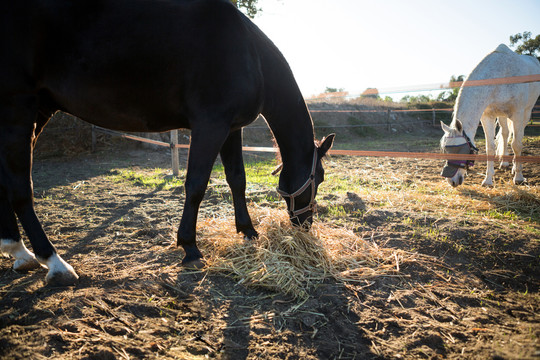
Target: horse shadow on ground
x=321, y=326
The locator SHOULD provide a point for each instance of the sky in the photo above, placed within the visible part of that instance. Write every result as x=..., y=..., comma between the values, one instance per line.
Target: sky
x=389, y=44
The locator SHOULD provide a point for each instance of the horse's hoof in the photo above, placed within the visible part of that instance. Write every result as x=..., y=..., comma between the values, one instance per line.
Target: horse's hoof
x=520, y=182
x=487, y=184
x=26, y=264
x=60, y=272
x=195, y=264
x=193, y=258
x=250, y=235
x=67, y=278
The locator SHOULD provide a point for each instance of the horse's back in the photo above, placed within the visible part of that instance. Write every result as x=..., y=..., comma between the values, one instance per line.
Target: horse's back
x=136, y=65
x=503, y=63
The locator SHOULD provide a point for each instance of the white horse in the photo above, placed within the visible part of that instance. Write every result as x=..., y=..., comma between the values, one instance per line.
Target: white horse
x=511, y=103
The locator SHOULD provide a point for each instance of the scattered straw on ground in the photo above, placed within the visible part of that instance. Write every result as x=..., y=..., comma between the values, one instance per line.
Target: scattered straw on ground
x=526, y=201
x=289, y=260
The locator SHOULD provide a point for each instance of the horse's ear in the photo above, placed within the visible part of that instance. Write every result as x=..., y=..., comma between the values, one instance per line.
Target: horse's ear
x=445, y=128
x=326, y=144
x=459, y=125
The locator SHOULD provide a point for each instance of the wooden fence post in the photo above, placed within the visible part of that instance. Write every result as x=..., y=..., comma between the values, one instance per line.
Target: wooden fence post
x=174, y=152
x=434, y=118
x=388, y=119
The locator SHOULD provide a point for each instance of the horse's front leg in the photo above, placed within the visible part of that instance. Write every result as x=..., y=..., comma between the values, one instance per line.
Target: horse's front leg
x=10, y=238
x=231, y=157
x=206, y=141
x=489, y=130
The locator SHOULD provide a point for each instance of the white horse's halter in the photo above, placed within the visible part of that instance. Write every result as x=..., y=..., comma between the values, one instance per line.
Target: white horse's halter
x=452, y=166
x=310, y=181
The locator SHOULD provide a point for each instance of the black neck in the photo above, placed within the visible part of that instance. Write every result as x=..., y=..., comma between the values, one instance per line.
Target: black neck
x=285, y=112
x=287, y=115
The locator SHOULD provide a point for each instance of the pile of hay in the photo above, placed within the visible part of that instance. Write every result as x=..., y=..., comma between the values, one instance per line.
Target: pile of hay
x=522, y=201
x=289, y=260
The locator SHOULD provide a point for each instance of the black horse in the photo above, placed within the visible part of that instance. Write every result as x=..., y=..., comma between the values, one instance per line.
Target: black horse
x=143, y=65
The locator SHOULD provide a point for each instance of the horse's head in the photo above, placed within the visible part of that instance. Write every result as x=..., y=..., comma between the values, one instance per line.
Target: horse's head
x=455, y=141
x=301, y=203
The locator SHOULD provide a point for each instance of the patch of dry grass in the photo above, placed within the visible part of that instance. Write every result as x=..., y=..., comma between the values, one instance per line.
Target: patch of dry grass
x=526, y=201
x=289, y=260
x=420, y=189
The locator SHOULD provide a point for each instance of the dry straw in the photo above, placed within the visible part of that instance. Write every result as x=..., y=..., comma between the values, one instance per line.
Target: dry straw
x=525, y=201
x=289, y=260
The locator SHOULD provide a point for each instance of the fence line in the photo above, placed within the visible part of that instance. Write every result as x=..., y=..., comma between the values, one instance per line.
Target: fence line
x=413, y=155
x=346, y=126
x=174, y=146
x=378, y=110
x=367, y=125
x=435, y=156
x=138, y=138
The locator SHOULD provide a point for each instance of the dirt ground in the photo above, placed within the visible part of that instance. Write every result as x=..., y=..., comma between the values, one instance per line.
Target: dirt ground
x=474, y=295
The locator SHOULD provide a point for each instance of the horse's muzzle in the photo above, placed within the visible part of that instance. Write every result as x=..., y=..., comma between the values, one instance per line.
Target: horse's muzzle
x=303, y=221
x=449, y=171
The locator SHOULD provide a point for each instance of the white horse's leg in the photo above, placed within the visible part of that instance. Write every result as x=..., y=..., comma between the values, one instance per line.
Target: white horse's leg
x=502, y=141
x=489, y=130
x=24, y=259
x=518, y=124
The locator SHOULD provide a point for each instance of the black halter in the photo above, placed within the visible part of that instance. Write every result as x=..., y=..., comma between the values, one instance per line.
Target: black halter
x=312, y=206
x=452, y=166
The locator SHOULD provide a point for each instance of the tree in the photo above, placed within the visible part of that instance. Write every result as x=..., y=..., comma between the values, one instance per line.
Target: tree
x=405, y=99
x=333, y=90
x=420, y=99
x=249, y=7
x=451, y=96
x=525, y=44
x=529, y=46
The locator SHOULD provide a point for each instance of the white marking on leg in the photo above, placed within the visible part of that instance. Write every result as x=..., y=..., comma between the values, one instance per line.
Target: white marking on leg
x=24, y=259
x=60, y=272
